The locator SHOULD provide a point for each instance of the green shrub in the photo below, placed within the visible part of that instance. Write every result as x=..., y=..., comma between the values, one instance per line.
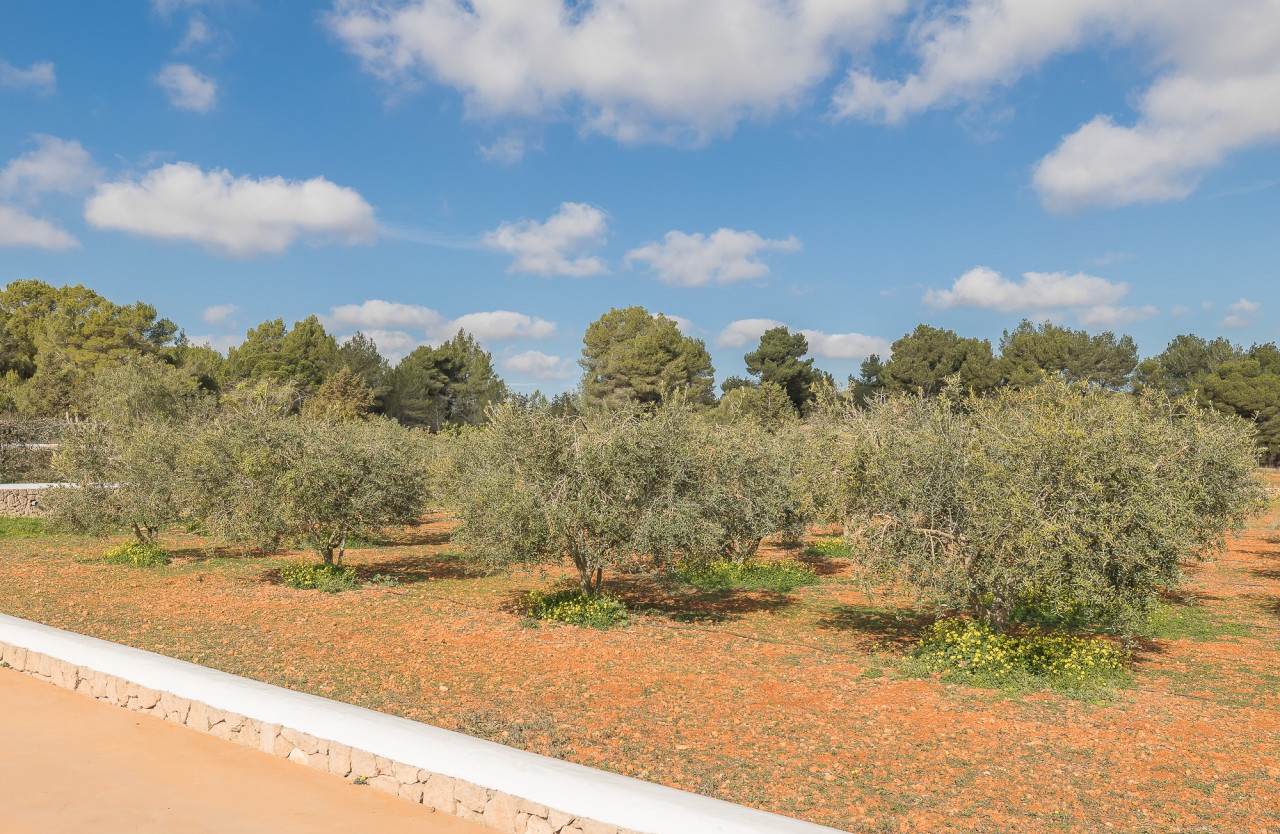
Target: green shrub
x=319, y=576
x=720, y=574
x=972, y=651
x=138, y=554
x=14, y=527
x=575, y=607
x=831, y=547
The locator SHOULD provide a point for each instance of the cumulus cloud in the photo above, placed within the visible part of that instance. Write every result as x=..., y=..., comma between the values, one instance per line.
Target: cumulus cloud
x=187, y=88
x=378, y=316
x=17, y=228
x=234, y=216
x=1216, y=89
x=219, y=313
x=985, y=288
x=538, y=365
x=632, y=69
x=507, y=150
x=1243, y=313
x=744, y=332
x=683, y=324
x=39, y=77
x=1094, y=301
x=556, y=246
x=724, y=256
x=501, y=325
x=845, y=345
x=56, y=165
x=221, y=342
x=385, y=315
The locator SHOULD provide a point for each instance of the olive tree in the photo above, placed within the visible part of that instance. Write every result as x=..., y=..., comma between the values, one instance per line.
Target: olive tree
x=1075, y=499
x=604, y=490
x=263, y=479
x=121, y=468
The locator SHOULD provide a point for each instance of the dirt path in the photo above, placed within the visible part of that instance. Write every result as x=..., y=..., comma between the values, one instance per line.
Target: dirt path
x=70, y=764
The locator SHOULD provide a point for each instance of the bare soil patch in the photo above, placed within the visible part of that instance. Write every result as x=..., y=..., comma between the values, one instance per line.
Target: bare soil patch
x=795, y=703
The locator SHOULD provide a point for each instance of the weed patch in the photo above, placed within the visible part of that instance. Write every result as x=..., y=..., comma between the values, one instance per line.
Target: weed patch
x=1180, y=621
x=721, y=574
x=138, y=554
x=971, y=652
x=831, y=547
x=13, y=527
x=319, y=577
x=574, y=607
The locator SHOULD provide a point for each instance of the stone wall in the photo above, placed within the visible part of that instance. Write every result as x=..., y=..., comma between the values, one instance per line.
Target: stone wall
x=22, y=499
x=499, y=811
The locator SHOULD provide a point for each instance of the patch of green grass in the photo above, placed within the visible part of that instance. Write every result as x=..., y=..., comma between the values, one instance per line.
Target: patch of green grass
x=138, y=554
x=721, y=574
x=831, y=547
x=971, y=652
x=319, y=576
x=575, y=607
x=15, y=527
x=1181, y=621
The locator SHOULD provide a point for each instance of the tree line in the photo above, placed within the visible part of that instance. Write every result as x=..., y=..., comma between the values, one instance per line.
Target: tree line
x=55, y=341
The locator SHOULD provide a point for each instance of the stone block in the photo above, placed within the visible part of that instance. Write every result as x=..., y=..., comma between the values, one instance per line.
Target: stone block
x=472, y=797
x=537, y=825
x=267, y=735
x=386, y=767
x=283, y=747
x=339, y=759
x=500, y=812
x=533, y=809
x=318, y=761
x=386, y=784
x=363, y=764
x=558, y=819
x=407, y=774
x=147, y=698
x=438, y=793
x=308, y=744
x=198, y=717
x=412, y=792
x=297, y=756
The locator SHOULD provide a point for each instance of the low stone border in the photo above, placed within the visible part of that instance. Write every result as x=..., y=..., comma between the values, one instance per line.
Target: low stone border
x=22, y=500
x=511, y=791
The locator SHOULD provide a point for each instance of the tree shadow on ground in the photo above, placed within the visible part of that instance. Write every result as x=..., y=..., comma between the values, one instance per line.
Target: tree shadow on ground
x=207, y=553
x=399, y=570
x=889, y=628
x=687, y=604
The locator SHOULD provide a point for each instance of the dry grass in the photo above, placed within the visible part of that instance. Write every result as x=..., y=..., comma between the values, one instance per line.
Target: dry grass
x=796, y=703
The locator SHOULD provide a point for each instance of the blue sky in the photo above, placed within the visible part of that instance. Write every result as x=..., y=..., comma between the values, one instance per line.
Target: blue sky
x=517, y=167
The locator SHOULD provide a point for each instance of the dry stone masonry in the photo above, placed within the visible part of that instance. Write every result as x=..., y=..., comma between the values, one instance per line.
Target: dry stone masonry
x=21, y=499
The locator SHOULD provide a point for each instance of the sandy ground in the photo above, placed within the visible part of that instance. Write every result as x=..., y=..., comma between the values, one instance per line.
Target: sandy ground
x=71, y=764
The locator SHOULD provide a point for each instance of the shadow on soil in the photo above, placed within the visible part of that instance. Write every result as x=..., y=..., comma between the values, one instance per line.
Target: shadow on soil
x=404, y=570
x=685, y=604
x=889, y=628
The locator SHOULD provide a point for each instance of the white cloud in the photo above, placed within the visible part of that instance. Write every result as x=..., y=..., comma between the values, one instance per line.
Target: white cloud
x=39, y=77
x=557, y=246
x=376, y=314
x=725, y=256
x=744, y=332
x=987, y=289
x=17, y=228
x=538, y=365
x=1216, y=88
x=684, y=325
x=198, y=32
x=219, y=313
x=388, y=317
x=235, y=216
x=845, y=345
x=1243, y=313
x=188, y=89
x=501, y=325
x=56, y=165
x=636, y=70
x=394, y=345
x=1179, y=310
x=1094, y=301
x=221, y=342
x=1108, y=315
x=506, y=150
